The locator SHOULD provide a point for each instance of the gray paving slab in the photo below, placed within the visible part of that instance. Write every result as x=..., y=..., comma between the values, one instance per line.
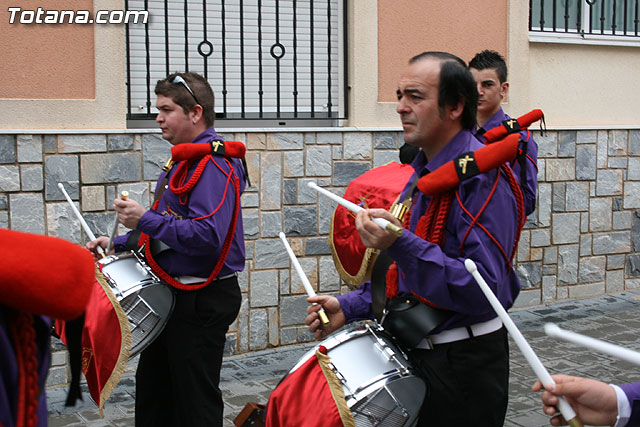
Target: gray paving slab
x=252, y=376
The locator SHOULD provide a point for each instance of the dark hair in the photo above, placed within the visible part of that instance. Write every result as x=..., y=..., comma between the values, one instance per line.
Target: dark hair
x=456, y=85
x=408, y=153
x=443, y=56
x=490, y=59
x=181, y=96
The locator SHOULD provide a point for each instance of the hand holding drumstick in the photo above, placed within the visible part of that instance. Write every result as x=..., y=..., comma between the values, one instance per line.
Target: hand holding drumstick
x=126, y=210
x=129, y=212
x=305, y=281
x=594, y=401
x=114, y=228
x=541, y=372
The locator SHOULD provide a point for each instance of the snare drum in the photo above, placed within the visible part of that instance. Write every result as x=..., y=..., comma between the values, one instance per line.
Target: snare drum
x=146, y=299
x=379, y=385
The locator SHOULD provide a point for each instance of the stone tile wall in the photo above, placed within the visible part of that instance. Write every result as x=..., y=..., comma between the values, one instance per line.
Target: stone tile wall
x=583, y=240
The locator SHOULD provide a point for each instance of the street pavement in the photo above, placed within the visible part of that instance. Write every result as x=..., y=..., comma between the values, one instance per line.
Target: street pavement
x=251, y=377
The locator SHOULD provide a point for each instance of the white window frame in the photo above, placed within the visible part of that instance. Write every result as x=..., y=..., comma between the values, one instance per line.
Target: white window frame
x=583, y=38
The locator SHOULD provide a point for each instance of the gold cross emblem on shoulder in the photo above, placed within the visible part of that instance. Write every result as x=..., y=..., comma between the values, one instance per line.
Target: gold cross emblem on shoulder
x=463, y=163
x=216, y=144
x=511, y=122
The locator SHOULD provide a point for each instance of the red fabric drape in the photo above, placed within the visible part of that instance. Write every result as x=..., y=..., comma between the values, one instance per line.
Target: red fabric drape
x=305, y=399
x=377, y=188
x=106, y=342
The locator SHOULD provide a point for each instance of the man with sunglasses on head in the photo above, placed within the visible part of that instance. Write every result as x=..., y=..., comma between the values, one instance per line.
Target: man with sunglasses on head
x=194, y=240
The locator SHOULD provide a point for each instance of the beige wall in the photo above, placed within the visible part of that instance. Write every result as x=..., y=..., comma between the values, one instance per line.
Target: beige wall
x=46, y=61
x=585, y=85
x=383, y=39
x=575, y=85
x=364, y=108
x=58, y=84
x=462, y=28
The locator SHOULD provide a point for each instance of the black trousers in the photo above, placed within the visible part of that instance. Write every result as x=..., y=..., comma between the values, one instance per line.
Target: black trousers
x=467, y=381
x=178, y=376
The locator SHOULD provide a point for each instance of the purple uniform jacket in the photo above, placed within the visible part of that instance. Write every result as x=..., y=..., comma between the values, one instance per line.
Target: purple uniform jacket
x=531, y=183
x=439, y=275
x=196, y=244
x=9, y=369
x=632, y=391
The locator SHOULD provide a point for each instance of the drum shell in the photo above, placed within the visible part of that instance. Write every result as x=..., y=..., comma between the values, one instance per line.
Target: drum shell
x=146, y=299
x=371, y=367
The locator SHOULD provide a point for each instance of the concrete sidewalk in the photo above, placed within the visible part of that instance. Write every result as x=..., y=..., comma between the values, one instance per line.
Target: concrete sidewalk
x=252, y=376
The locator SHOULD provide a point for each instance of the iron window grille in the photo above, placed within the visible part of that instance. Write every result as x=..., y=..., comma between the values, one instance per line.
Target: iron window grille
x=268, y=61
x=585, y=17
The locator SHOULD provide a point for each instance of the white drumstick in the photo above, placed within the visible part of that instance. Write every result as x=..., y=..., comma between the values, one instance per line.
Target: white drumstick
x=303, y=277
x=85, y=226
x=114, y=227
x=563, y=406
x=622, y=353
x=383, y=223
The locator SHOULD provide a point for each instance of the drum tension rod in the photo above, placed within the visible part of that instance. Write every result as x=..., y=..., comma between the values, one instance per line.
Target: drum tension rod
x=149, y=313
x=341, y=377
x=113, y=284
x=398, y=404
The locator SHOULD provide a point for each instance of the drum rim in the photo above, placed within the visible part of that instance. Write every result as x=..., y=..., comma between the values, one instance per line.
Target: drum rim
x=115, y=257
x=331, y=342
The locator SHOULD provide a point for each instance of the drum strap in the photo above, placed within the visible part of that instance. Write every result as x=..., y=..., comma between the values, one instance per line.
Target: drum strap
x=379, y=284
x=158, y=246
x=163, y=185
x=384, y=261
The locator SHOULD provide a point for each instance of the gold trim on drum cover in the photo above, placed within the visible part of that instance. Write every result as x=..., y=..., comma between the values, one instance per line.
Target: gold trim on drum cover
x=368, y=260
x=335, y=387
x=125, y=343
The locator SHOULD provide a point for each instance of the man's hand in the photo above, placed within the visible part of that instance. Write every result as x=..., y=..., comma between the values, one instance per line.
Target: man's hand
x=101, y=241
x=129, y=212
x=372, y=235
x=333, y=310
x=595, y=402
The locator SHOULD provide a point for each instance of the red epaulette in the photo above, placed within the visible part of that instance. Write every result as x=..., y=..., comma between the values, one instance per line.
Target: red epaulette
x=217, y=147
x=467, y=165
x=513, y=126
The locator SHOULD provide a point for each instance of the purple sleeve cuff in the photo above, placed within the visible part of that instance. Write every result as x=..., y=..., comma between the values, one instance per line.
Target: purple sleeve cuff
x=356, y=305
x=119, y=242
x=632, y=390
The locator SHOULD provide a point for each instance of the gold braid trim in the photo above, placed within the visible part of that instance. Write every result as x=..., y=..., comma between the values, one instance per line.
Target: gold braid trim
x=125, y=343
x=335, y=386
x=368, y=260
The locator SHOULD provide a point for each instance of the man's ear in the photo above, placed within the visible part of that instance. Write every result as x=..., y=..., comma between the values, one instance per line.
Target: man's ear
x=454, y=112
x=504, y=90
x=195, y=114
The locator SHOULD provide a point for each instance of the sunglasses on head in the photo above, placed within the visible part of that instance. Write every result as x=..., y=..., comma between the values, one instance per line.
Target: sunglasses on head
x=180, y=81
